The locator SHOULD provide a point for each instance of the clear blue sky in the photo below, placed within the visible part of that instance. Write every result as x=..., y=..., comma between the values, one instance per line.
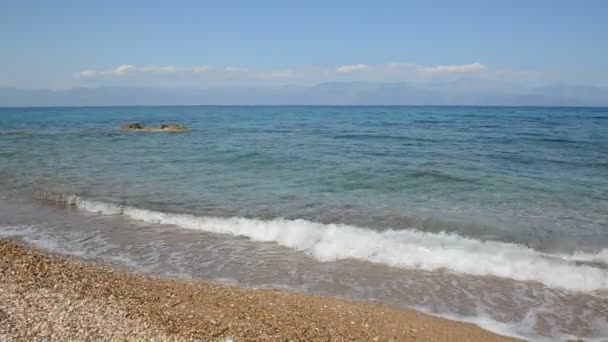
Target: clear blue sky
x=46, y=43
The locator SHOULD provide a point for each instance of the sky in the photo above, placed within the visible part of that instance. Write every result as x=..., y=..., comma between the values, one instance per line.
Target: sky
x=505, y=46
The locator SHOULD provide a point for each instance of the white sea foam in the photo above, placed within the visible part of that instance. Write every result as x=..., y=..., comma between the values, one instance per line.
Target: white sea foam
x=94, y=206
x=399, y=248
x=599, y=257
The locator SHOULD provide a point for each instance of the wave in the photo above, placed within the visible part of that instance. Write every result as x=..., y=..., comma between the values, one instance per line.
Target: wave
x=399, y=248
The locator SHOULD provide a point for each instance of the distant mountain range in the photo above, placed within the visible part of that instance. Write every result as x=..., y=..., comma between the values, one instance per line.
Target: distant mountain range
x=330, y=93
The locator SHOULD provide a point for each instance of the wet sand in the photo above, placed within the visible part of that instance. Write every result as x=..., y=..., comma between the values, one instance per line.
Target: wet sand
x=51, y=297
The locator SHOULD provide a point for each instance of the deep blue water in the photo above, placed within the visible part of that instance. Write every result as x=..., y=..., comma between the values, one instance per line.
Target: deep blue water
x=532, y=180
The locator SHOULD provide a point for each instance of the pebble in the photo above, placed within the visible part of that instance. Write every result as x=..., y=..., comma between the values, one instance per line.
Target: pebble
x=44, y=297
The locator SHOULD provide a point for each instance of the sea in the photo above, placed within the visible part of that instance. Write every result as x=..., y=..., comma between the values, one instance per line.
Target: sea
x=491, y=215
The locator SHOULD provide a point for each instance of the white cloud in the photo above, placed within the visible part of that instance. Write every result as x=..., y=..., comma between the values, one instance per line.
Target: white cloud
x=200, y=75
x=126, y=69
x=121, y=69
x=474, y=67
x=346, y=69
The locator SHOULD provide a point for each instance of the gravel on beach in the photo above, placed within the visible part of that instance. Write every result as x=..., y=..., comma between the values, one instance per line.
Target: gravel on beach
x=48, y=297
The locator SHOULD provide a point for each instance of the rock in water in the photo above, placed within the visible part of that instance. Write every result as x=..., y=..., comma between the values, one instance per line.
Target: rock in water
x=172, y=127
x=135, y=126
x=132, y=126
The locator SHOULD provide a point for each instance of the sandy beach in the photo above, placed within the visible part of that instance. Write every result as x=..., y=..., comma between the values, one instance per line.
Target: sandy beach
x=52, y=297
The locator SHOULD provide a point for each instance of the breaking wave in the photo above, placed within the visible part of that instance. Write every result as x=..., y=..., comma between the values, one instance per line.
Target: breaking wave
x=398, y=248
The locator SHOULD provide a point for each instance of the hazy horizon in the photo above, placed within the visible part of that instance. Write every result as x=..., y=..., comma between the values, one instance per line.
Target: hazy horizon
x=329, y=93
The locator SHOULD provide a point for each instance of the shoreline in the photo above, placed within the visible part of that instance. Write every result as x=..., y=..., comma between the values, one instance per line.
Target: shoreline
x=46, y=295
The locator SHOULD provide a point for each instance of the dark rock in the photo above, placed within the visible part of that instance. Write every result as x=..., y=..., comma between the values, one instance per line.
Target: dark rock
x=132, y=126
x=161, y=128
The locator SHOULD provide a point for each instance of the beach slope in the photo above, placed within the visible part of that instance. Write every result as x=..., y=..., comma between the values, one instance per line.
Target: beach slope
x=46, y=296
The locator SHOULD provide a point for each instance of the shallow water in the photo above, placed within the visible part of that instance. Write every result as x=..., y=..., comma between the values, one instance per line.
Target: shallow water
x=492, y=215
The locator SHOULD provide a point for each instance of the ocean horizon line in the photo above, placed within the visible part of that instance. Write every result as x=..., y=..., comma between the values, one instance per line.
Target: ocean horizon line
x=311, y=105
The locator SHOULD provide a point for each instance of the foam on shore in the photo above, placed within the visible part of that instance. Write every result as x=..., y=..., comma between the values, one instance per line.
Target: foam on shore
x=398, y=248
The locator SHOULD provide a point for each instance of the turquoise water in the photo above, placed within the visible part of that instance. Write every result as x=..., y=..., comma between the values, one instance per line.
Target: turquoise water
x=536, y=176
x=520, y=194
